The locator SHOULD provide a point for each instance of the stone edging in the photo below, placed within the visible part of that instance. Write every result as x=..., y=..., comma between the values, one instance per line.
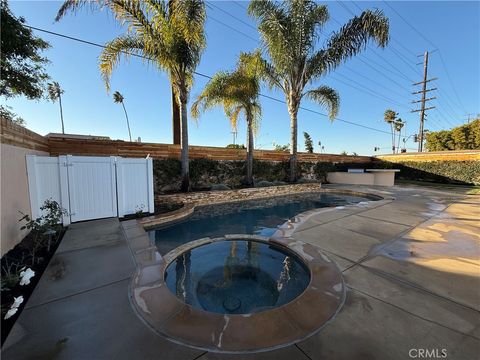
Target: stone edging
x=192, y=200
x=263, y=331
x=168, y=316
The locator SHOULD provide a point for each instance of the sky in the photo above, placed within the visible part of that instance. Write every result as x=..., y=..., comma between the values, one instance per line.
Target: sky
x=368, y=84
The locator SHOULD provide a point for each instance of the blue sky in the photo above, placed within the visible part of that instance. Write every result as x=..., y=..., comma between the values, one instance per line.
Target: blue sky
x=374, y=81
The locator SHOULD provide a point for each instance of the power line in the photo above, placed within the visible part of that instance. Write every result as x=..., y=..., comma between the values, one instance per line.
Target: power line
x=226, y=12
x=403, y=59
x=231, y=15
x=374, y=82
x=435, y=48
x=204, y=76
x=384, y=75
x=232, y=28
x=396, y=71
x=240, y=6
x=450, y=80
x=391, y=37
x=404, y=47
x=365, y=89
x=376, y=63
x=375, y=69
x=447, y=102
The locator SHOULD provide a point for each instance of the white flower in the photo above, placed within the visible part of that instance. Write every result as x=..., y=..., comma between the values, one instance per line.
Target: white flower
x=17, y=301
x=10, y=313
x=26, y=276
x=14, y=308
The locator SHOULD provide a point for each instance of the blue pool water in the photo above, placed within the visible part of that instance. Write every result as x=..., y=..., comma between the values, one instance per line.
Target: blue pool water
x=259, y=217
x=237, y=277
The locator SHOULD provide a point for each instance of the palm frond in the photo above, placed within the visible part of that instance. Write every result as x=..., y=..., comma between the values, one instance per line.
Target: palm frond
x=352, y=38
x=114, y=50
x=233, y=114
x=235, y=91
x=74, y=5
x=327, y=97
x=189, y=18
x=131, y=13
x=54, y=91
x=398, y=124
x=390, y=116
x=117, y=97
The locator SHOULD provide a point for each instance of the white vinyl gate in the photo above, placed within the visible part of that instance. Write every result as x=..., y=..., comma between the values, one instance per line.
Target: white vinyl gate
x=91, y=187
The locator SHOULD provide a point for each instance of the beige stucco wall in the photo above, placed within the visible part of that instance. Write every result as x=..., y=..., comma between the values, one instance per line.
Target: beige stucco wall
x=14, y=193
x=350, y=178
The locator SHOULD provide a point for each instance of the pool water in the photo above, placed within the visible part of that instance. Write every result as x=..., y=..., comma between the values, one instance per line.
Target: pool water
x=255, y=217
x=237, y=276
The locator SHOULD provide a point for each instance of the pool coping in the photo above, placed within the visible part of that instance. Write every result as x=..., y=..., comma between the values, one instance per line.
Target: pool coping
x=188, y=208
x=267, y=330
x=171, y=314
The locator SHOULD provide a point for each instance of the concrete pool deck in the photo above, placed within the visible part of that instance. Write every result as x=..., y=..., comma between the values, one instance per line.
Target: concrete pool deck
x=411, y=266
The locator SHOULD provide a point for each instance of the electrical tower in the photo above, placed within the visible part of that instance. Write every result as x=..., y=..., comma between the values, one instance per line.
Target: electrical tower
x=423, y=99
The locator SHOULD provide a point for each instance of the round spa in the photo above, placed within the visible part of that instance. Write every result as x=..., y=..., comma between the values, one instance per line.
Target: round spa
x=239, y=293
x=237, y=277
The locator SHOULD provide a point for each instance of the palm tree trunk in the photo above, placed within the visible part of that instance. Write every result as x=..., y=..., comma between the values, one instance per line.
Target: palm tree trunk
x=250, y=148
x=398, y=143
x=184, y=141
x=128, y=124
x=175, y=119
x=393, y=138
x=61, y=112
x=293, y=111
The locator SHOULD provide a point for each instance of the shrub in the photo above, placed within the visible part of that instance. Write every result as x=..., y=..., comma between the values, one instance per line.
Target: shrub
x=270, y=171
x=43, y=227
x=322, y=168
x=464, y=137
x=202, y=169
x=459, y=172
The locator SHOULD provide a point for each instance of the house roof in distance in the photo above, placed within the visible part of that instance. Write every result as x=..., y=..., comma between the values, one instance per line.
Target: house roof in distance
x=77, y=136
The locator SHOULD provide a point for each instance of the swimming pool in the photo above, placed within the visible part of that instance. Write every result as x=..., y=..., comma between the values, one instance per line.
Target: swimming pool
x=255, y=217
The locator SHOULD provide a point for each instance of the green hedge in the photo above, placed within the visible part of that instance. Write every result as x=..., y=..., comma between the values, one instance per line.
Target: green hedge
x=204, y=172
x=453, y=172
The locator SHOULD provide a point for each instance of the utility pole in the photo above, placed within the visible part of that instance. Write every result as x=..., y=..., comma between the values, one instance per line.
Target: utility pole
x=469, y=117
x=423, y=100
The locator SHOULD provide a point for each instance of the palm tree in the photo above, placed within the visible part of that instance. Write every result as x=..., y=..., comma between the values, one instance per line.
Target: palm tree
x=55, y=93
x=237, y=92
x=169, y=34
x=390, y=117
x=290, y=32
x=118, y=99
x=398, y=128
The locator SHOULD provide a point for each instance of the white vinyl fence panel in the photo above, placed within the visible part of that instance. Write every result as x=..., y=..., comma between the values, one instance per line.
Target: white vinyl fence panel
x=45, y=177
x=134, y=185
x=91, y=187
x=91, y=184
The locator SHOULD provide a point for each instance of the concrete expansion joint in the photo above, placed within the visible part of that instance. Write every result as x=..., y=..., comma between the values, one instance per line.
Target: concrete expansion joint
x=411, y=313
x=77, y=293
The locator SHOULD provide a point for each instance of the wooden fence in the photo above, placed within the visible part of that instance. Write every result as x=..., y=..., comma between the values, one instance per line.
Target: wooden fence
x=17, y=135
x=460, y=155
x=60, y=146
